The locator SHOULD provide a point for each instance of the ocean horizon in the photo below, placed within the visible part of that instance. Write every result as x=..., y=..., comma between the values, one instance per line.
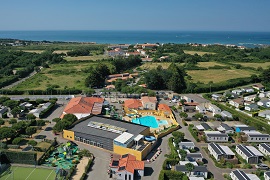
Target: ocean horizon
x=248, y=39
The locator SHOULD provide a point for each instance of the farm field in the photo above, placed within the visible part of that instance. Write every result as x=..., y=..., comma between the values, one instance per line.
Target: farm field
x=217, y=75
x=66, y=75
x=198, y=52
x=256, y=65
x=209, y=64
x=34, y=51
x=23, y=173
x=82, y=58
x=153, y=65
x=60, y=51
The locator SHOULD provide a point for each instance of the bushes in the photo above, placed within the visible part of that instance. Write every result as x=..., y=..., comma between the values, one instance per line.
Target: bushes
x=17, y=141
x=45, y=111
x=2, y=122
x=86, y=169
x=193, y=132
x=32, y=142
x=40, y=123
x=171, y=175
x=21, y=157
x=12, y=121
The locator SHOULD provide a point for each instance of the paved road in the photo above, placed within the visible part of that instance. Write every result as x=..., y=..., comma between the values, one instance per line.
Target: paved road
x=18, y=82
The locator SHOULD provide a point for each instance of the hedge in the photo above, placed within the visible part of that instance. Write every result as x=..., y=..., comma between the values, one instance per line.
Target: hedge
x=40, y=92
x=45, y=111
x=171, y=175
x=21, y=157
x=87, y=168
x=193, y=132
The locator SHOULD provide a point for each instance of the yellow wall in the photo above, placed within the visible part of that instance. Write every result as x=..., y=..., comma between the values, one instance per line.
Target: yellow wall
x=122, y=150
x=68, y=135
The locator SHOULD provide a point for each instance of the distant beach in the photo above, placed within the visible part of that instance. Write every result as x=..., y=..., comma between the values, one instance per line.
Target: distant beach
x=248, y=39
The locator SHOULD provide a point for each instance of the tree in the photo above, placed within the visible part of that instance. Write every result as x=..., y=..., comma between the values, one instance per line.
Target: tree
x=2, y=122
x=12, y=121
x=265, y=75
x=70, y=118
x=56, y=120
x=17, y=140
x=178, y=136
x=32, y=142
x=217, y=116
x=15, y=111
x=30, y=117
x=31, y=130
x=6, y=132
x=40, y=123
x=183, y=115
x=39, y=101
x=11, y=103
x=189, y=167
x=198, y=116
x=19, y=126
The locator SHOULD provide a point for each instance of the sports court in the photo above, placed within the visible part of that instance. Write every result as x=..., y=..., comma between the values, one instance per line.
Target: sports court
x=27, y=173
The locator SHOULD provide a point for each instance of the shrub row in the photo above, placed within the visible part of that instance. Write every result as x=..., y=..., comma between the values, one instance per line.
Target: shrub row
x=40, y=92
x=21, y=157
x=171, y=175
x=193, y=132
x=45, y=111
x=87, y=168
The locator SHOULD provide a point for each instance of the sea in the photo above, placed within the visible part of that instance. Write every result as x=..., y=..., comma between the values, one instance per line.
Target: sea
x=248, y=39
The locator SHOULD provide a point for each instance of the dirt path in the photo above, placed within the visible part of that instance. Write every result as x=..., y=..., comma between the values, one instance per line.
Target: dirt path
x=80, y=168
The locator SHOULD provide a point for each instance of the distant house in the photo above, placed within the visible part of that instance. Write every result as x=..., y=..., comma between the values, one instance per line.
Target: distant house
x=265, y=149
x=203, y=127
x=147, y=59
x=258, y=87
x=201, y=108
x=121, y=46
x=186, y=145
x=248, y=90
x=265, y=114
x=186, y=162
x=226, y=114
x=149, y=102
x=252, y=107
x=237, y=102
x=127, y=167
x=136, y=53
x=216, y=136
x=218, y=151
x=230, y=95
x=264, y=102
x=3, y=110
x=225, y=128
x=165, y=108
x=241, y=128
x=194, y=98
x=188, y=108
x=214, y=109
x=255, y=136
x=109, y=87
x=237, y=91
x=246, y=153
x=267, y=175
x=26, y=105
x=241, y=175
x=217, y=97
x=36, y=112
x=264, y=94
x=250, y=98
x=116, y=52
x=198, y=171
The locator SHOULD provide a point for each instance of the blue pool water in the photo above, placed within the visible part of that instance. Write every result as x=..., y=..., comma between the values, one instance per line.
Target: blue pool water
x=149, y=121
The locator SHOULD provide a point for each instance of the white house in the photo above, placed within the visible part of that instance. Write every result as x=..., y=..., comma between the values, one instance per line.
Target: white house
x=216, y=136
x=241, y=175
x=200, y=108
x=250, y=98
x=264, y=103
x=198, y=171
x=257, y=137
x=213, y=108
x=225, y=128
x=267, y=175
x=217, y=97
x=247, y=154
x=226, y=114
x=194, y=157
x=265, y=149
x=248, y=89
x=3, y=110
x=252, y=107
x=186, y=145
x=116, y=52
x=265, y=114
x=237, y=91
x=264, y=94
x=218, y=151
x=149, y=102
x=237, y=102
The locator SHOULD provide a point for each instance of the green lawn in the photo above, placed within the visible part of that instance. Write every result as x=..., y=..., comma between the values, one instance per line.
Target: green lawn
x=218, y=75
x=256, y=65
x=83, y=58
x=209, y=64
x=197, y=52
x=27, y=173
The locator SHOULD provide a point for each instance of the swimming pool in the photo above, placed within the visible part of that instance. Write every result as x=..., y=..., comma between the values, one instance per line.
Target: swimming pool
x=149, y=121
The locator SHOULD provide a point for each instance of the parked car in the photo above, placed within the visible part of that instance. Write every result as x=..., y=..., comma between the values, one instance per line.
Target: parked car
x=262, y=166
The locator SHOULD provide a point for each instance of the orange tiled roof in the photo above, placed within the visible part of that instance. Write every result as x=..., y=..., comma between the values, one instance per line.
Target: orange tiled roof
x=130, y=163
x=83, y=105
x=133, y=103
x=149, y=99
x=164, y=107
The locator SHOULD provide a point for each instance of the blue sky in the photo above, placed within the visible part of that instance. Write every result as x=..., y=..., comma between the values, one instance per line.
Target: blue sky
x=214, y=15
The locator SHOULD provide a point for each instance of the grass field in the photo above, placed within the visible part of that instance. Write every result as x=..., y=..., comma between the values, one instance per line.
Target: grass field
x=94, y=57
x=27, y=173
x=151, y=65
x=209, y=64
x=256, y=65
x=68, y=75
x=198, y=52
x=61, y=51
x=217, y=75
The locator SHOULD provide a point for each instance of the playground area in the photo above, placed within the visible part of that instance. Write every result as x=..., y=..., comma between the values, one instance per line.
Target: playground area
x=28, y=173
x=64, y=156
